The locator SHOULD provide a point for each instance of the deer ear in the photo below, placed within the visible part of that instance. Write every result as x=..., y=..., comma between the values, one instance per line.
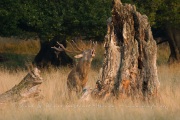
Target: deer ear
x=78, y=56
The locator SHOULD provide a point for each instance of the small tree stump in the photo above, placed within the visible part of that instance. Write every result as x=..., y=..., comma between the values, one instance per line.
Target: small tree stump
x=27, y=89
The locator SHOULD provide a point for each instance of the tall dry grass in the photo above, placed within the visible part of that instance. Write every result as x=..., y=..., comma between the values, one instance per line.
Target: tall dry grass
x=55, y=105
x=19, y=46
x=163, y=53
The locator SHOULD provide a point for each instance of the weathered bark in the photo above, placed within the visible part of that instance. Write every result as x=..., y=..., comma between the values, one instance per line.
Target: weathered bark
x=129, y=67
x=27, y=89
x=48, y=56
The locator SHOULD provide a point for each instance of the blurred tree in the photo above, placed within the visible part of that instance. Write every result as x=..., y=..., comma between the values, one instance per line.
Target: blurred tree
x=50, y=19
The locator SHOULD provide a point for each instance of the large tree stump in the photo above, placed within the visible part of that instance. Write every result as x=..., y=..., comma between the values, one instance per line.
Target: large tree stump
x=129, y=67
x=27, y=89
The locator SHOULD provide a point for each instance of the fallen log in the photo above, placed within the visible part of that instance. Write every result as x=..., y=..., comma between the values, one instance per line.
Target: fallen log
x=27, y=89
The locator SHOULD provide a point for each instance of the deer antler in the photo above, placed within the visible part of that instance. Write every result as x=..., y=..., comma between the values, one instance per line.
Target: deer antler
x=77, y=46
x=94, y=45
x=83, y=44
x=91, y=43
x=58, y=49
x=62, y=48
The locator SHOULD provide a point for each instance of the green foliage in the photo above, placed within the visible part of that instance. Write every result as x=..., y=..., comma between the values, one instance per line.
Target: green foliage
x=149, y=7
x=159, y=12
x=168, y=13
x=47, y=18
x=9, y=16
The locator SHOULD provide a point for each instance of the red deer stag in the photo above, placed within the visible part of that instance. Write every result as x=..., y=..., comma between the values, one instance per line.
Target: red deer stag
x=78, y=76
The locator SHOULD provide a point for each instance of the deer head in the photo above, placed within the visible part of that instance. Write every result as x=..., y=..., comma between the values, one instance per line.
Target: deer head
x=86, y=55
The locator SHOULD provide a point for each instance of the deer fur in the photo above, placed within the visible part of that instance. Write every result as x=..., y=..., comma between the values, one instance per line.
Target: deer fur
x=78, y=76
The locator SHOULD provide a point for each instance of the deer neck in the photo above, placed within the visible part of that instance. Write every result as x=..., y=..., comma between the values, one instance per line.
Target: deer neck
x=83, y=68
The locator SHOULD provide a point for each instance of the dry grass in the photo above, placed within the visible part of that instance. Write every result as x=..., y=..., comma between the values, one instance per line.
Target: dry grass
x=19, y=46
x=163, y=53
x=17, y=52
x=55, y=105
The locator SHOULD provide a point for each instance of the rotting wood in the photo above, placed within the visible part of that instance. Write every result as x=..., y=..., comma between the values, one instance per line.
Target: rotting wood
x=130, y=54
x=26, y=90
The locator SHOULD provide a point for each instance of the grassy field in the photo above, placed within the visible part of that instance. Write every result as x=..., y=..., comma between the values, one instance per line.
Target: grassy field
x=55, y=105
x=19, y=53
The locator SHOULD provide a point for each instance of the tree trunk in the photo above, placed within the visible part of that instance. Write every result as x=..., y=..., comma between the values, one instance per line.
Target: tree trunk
x=129, y=67
x=27, y=89
x=3, y=59
x=173, y=35
x=48, y=56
